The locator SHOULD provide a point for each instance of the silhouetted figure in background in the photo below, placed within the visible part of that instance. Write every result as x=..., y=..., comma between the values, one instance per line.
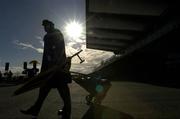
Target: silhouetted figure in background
x=54, y=55
x=35, y=69
x=25, y=71
x=33, y=72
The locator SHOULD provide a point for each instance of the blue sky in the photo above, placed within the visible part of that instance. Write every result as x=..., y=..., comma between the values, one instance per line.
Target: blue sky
x=21, y=32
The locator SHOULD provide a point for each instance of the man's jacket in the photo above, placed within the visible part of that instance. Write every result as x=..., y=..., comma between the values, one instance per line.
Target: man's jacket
x=54, y=55
x=54, y=50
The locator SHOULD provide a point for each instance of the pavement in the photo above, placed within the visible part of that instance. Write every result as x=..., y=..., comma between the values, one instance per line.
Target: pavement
x=125, y=100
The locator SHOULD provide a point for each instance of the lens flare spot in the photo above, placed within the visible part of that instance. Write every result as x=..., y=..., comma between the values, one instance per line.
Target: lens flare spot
x=99, y=88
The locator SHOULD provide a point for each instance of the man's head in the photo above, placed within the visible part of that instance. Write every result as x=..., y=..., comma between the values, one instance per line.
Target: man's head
x=48, y=25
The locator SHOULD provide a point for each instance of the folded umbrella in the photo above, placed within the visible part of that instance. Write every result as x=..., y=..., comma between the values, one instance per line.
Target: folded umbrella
x=36, y=81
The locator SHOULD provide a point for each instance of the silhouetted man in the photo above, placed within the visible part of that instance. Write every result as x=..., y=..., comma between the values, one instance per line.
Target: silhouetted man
x=54, y=55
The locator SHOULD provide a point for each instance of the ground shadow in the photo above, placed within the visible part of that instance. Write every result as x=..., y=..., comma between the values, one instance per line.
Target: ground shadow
x=103, y=112
x=8, y=83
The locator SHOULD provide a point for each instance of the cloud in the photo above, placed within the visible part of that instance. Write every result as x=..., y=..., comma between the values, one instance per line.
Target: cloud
x=97, y=56
x=80, y=40
x=75, y=45
x=93, y=58
x=82, y=68
x=38, y=37
x=40, y=40
x=27, y=45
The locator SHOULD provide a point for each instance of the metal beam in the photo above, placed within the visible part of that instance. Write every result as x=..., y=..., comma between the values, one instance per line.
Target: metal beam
x=103, y=40
x=156, y=34
x=143, y=19
x=127, y=32
x=114, y=23
x=104, y=47
x=107, y=42
x=140, y=7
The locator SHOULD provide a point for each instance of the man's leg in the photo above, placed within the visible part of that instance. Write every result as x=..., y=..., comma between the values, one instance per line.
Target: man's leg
x=65, y=94
x=35, y=109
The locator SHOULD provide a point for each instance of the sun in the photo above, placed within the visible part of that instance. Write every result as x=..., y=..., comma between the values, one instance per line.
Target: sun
x=74, y=29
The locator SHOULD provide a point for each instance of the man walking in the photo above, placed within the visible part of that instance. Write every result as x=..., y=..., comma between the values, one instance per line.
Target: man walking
x=53, y=56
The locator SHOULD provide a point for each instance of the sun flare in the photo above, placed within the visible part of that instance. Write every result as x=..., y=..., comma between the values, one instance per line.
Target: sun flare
x=74, y=29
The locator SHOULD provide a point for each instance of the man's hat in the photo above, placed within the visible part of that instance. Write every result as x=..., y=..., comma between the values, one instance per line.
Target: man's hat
x=47, y=22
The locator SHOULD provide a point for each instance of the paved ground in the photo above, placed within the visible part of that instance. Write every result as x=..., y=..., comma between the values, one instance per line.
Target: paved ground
x=125, y=100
